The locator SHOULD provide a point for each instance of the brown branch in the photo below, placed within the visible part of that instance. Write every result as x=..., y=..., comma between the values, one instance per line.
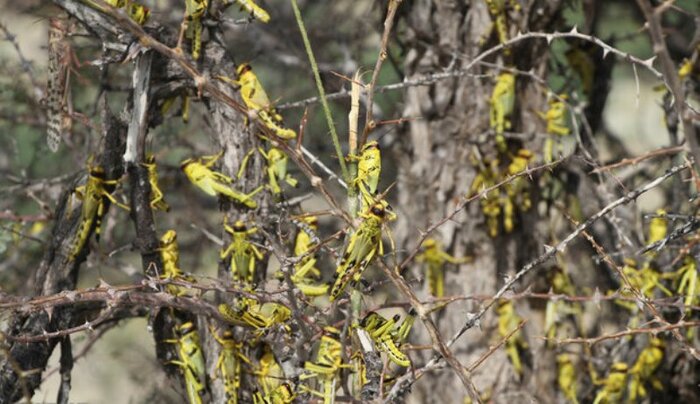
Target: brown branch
x=109, y=298
x=429, y=79
x=636, y=160
x=621, y=334
x=85, y=348
x=670, y=75
x=550, y=251
x=494, y=348
x=56, y=273
x=25, y=64
x=438, y=343
x=388, y=24
x=468, y=199
x=204, y=83
x=639, y=297
x=112, y=294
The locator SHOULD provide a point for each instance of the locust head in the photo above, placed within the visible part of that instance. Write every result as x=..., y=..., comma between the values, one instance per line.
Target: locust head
x=242, y=69
x=97, y=172
x=429, y=244
x=169, y=237
x=186, y=163
x=331, y=332
x=239, y=227
x=372, y=144
x=378, y=210
x=150, y=159
x=312, y=221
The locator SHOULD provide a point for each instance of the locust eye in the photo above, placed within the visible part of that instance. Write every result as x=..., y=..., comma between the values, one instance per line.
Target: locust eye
x=378, y=210
x=371, y=145
x=365, y=320
x=97, y=172
x=331, y=331
x=244, y=68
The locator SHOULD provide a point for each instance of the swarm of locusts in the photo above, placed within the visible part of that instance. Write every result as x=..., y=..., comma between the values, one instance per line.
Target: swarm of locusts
x=244, y=326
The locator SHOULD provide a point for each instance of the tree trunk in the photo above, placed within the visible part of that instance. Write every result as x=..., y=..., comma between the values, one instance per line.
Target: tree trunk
x=435, y=172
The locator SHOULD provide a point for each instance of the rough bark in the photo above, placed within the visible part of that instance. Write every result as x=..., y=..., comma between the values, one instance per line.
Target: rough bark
x=57, y=273
x=433, y=157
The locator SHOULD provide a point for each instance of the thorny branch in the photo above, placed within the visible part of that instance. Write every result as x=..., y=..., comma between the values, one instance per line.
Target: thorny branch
x=670, y=76
x=25, y=64
x=406, y=380
x=110, y=298
x=640, y=298
x=388, y=24
x=634, y=331
x=429, y=79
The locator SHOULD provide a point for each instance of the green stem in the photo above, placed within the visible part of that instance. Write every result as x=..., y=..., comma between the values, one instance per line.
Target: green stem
x=322, y=94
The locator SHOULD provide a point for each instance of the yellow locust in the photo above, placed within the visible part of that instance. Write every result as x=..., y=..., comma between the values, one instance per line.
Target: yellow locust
x=502, y=104
x=566, y=377
x=157, y=198
x=194, y=10
x=190, y=360
x=305, y=270
x=369, y=168
x=257, y=102
x=138, y=13
x=508, y=320
x=517, y=189
x=277, y=169
x=214, y=183
x=642, y=372
x=135, y=11
x=556, y=309
x=365, y=243
x=614, y=385
x=387, y=336
x=269, y=373
x=658, y=227
x=435, y=258
x=328, y=364
x=252, y=313
x=170, y=255
x=555, y=116
x=93, y=194
x=254, y=10
x=557, y=124
x=488, y=176
x=283, y=394
x=498, y=9
x=688, y=282
x=645, y=280
x=228, y=365
x=244, y=254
